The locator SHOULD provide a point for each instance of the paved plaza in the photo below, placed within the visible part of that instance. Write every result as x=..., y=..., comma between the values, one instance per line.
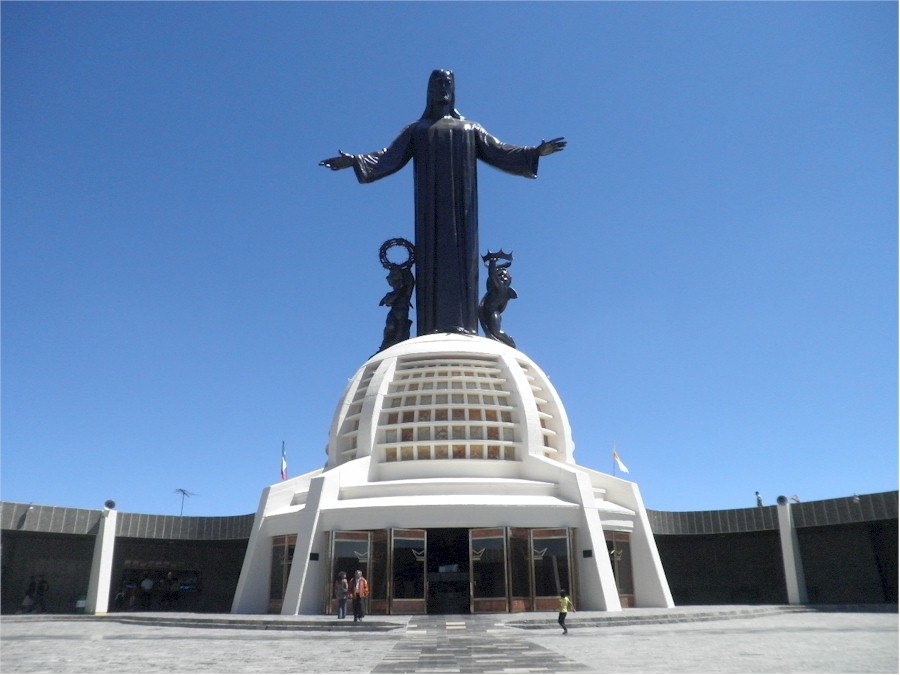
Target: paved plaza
x=681, y=640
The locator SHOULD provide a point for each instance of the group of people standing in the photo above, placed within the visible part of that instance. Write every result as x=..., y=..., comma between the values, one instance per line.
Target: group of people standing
x=356, y=589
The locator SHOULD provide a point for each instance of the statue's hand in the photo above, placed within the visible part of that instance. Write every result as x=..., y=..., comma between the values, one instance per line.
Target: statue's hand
x=342, y=161
x=551, y=146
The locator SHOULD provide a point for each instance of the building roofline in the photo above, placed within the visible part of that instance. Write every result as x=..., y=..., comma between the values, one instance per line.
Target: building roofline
x=827, y=512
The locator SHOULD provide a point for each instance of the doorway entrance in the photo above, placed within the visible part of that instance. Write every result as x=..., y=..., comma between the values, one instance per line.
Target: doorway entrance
x=448, y=571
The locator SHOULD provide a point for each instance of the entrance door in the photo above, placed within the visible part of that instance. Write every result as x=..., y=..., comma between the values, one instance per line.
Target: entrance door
x=551, y=564
x=408, y=586
x=350, y=551
x=489, y=570
x=448, y=571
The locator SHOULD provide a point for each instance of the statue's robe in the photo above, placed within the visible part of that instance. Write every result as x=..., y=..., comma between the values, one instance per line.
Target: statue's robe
x=447, y=257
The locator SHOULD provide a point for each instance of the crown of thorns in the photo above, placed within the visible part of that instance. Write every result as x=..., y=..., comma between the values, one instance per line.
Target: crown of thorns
x=499, y=255
x=394, y=243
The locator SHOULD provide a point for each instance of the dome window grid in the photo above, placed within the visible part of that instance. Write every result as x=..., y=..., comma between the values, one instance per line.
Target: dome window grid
x=472, y=396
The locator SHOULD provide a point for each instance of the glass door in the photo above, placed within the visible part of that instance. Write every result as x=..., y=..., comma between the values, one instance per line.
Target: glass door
x=619, y=545
x=350, y=551
x=282, y=557
x=487, y=554
x=409, y=570
x=520, y=581
x=551, y=565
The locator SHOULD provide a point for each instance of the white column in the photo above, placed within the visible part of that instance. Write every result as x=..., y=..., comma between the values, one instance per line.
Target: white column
x=101, y=567
x=790, y=553
x=306, y=582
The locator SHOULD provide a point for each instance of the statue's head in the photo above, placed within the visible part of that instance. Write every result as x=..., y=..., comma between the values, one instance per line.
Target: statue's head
x=441, y=98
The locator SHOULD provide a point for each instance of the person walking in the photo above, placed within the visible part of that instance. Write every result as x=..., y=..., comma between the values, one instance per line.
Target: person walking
x=341, y=589
x=359, y=591
x=564, y=606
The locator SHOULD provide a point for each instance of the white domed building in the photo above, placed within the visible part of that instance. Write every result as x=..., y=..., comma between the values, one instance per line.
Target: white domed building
x=451, y=483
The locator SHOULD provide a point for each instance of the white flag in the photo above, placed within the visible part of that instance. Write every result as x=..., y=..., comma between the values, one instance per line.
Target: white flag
x=622, y=467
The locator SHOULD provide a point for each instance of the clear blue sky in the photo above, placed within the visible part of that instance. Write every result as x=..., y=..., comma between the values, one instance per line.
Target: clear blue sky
x=708, y=273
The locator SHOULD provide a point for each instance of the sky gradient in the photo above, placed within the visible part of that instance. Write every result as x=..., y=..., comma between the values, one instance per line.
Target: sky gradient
x=708, y=273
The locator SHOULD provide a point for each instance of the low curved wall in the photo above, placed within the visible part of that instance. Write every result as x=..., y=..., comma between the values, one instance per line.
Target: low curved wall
x=848, y=548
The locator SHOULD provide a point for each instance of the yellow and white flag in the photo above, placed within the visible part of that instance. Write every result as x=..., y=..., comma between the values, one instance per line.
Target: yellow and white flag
x=622, y=467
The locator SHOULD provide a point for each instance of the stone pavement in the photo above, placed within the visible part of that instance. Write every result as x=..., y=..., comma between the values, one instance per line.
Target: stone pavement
x=759, y=639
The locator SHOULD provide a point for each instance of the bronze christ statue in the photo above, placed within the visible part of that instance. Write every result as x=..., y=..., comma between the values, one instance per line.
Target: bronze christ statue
x=445, y=147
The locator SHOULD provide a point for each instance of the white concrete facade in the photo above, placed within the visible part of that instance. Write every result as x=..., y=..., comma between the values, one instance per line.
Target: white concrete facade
x=451, y=431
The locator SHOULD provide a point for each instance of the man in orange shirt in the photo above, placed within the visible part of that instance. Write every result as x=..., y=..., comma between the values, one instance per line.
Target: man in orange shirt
x=359, y=591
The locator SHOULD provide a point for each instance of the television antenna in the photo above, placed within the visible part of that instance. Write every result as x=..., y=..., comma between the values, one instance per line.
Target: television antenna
x=184, y=493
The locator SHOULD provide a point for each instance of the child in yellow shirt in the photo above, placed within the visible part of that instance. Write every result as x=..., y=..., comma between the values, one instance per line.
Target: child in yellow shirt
x=564, y=606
